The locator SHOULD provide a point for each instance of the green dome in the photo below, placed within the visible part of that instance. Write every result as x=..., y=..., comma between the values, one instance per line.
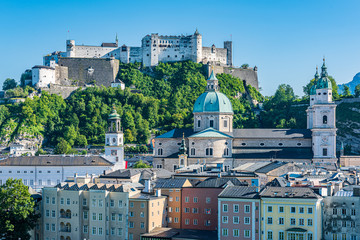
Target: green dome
x=113, y=114
x=213, y=102
x=324, y=82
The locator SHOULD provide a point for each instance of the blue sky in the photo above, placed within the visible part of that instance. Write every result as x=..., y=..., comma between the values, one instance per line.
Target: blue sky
x=285, y=39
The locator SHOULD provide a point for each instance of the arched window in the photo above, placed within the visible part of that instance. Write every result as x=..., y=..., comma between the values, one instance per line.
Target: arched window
x=211, y=123
x=62, y=213
x=225, y=124
x=62, y=227
x=68, y=227
x=68, y=214
x=160, y=151
x=226, y=152
x=181, y=161
x=270, y=235
x=310, y=236
x=192, y=152
x=325, y=119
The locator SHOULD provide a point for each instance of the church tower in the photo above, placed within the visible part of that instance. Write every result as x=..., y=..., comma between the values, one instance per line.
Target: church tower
x=183, y=153
x=322, y=121
x=114, y=141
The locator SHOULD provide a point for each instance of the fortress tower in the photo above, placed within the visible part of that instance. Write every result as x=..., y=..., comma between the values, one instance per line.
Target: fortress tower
x=196, y=47
x=70, y=48
x=114, y=141
x=321, y=120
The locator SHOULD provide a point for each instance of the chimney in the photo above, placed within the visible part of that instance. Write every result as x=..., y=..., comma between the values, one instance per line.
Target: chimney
x=147, y=188
x=158, y=193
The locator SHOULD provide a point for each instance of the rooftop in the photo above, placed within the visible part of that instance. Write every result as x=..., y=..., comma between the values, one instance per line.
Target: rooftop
x=172, y=233
x=170, y=183
x=239, y=192
x=220, y=183
x=55, y=160
x=271, y=133
x=289, y=192
x=93, y=186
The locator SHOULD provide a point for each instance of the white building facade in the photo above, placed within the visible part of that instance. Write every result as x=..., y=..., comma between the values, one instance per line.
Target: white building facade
x=42, y=76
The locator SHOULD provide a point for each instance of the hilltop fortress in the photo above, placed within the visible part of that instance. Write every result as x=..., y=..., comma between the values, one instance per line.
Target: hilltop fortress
x=81, y=65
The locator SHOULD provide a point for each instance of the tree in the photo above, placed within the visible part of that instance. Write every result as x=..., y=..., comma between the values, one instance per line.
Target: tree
x=17, y=214
x=347, y=92
x=245, y=66
x=357, y=90
x=62, y=147
x=128, y=136
x=81, y=141
x=141, y=164
x=9, y=83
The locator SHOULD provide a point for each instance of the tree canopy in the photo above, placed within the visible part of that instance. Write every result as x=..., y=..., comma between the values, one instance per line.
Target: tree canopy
x=9, y=83
x=17, y=210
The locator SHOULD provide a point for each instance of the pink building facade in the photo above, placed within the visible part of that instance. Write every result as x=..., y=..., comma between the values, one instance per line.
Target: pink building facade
x=239, y=213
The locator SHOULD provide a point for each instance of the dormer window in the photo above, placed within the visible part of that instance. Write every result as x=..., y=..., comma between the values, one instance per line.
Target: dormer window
x=211, y=123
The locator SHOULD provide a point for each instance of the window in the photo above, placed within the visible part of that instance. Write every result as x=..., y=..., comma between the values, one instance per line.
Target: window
x=198, y=123
x=53, y=214
x=247, y=220
x=225, y=219
x=53, y=200
x=269, y=220
x=281, y=236
x=246, y=233
x=187, y=210
x=47, y=200
x=310, y=210
x=343, y=211
x=112, y=216
x=207, y=211
x=236, y=208
x=281, y=209
x=269, y=208
x=85, y=228
x=301, y=222
x=120, y=203
x=186, y=199
x=247, y=208
x=334, y=211
x=195, y=210
x=281, y=221
x=325, y=152
x=120, y=217
x=47, y=213
x=94, y=216
x=195, y=222
x=293, y=209
x=236, y=220
x=208, y=200
x=309, y=222
x=100, y=231
x=112, y=203
x=68, y=201
x=131, y=224
x=225, y=231
x=160, y=151
x=195, y=199
x=100, y=217
x=131, y=204
x=225, y=123
x=142, y=225
x=325, y=120
x=84, y=202
x=353, y=212
x=192, y=151
x=94, y=231
x=170, y=199
x=85, y=214
x=301, y=210
x=177, y=209
x=93, y=202
x=270, y=235
x=292, y=221
x=62, y=201
x=211, y=123
x=187, y=221
x=47, y=227
x=226, y=152
x=309, y=236
x=131, y=214
x=225, y=207
x=176, y=220
x=177, y=199
x=209, y=151
x=142, y=214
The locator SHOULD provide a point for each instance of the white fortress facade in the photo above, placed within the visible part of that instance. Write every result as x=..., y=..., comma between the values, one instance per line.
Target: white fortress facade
x=154, y=48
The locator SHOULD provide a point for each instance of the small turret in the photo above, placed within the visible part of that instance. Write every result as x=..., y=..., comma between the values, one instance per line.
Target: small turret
x=117, y=40
x=212, y=82
x=182, y=153
x=183, y=149
x=313, y=88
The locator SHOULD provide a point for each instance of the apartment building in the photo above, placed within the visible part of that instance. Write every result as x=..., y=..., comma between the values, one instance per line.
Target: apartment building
x=239, y=213
x=290, y=213
x=146, y=212
x=200, y=204
x=172, y=189
x=86, y=211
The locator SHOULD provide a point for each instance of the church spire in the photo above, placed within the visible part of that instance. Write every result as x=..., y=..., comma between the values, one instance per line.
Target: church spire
x=212, y=82
x=183, y=149
x=116, y=40
x=324, y=69
x=316, y=75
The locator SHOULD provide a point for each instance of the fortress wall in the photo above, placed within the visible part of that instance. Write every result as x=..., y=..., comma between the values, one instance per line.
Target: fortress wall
x=96, y=51
x=248, y=75
x=64, y=91
x=104, y=70
x=61, y=75
x=219, y=55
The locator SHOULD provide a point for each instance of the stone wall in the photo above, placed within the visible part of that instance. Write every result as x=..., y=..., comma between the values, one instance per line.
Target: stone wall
x=348, y=161
x=87, y=70
x=64, y=91
x=248, y=75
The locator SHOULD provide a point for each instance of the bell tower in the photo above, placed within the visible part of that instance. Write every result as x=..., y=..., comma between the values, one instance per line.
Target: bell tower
x=114, y=141
x=322, y=120
x=182, y=153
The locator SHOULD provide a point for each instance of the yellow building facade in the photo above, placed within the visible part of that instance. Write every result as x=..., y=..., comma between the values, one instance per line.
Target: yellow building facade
x=290, y=213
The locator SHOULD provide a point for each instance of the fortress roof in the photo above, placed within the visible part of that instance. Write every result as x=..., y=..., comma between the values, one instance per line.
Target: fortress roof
x=41, y=66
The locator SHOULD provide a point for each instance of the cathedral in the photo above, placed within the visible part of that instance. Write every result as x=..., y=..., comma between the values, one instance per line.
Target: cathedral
x=214, y=142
